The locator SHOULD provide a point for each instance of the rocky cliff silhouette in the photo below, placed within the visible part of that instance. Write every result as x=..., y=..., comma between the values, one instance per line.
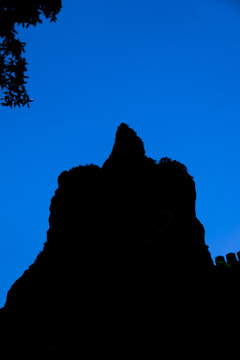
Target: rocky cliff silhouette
x=125, y=268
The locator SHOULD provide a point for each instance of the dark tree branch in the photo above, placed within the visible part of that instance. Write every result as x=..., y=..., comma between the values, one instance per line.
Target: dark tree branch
x=13, y=65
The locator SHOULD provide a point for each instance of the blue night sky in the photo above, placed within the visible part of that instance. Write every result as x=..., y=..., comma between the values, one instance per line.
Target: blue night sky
x=169, y=69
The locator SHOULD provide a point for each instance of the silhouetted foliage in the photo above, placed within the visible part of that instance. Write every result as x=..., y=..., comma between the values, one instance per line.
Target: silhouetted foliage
x=13, y=65
x=125, y=268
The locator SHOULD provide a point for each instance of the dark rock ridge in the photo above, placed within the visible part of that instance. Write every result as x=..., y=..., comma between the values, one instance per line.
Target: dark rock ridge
x=125, y=268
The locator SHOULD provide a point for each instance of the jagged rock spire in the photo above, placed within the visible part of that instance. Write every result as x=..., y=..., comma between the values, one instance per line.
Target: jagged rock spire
x=127, y=150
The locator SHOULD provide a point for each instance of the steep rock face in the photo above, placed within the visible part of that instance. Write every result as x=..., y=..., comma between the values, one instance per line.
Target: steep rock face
x=124, y=252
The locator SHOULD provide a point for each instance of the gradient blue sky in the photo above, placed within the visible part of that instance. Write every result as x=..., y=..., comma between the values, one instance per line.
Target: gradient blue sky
x=169, y=69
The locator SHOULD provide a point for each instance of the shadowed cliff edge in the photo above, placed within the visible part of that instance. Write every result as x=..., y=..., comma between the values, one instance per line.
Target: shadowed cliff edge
x=125, y=267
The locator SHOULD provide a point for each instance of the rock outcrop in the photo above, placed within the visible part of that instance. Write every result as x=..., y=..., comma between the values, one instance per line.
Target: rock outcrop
x=125, y=268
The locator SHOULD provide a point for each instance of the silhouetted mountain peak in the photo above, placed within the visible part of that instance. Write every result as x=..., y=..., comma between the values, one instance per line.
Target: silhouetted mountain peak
x=127, y=149
x=127, y=142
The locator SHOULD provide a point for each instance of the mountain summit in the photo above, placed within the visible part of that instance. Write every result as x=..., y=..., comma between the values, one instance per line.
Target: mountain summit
x=127, y=146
